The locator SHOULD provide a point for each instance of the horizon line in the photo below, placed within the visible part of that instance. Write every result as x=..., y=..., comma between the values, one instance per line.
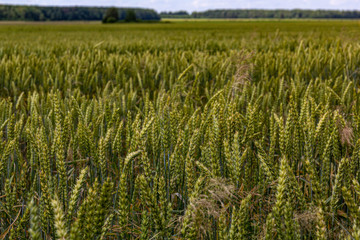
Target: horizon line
x=210, y=9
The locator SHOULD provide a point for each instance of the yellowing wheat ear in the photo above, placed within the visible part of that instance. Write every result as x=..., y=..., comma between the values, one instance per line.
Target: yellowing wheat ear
x=59, y=222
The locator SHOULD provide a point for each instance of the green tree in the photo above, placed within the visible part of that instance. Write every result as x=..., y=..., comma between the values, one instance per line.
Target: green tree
x=130, y=16
x=111, y=16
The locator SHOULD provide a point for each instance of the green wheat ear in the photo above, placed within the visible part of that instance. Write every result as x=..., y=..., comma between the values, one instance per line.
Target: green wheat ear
x=321, y=230
x=190, y=224
x=34, y=230
x=106, y=227
x=241, y=222
x=356, y=230
x=75, y=195
x=123, y=207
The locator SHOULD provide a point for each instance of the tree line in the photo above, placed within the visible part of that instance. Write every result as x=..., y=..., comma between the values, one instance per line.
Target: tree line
x=296, y=13
x=257, y=13
x=37, y=13
x=176, y=14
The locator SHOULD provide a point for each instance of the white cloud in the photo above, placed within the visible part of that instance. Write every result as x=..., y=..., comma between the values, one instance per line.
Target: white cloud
x=343, y=2
x=200, y=4
x=337, y=2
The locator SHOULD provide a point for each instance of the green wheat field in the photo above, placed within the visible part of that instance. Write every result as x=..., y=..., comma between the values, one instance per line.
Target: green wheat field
x=221, y=130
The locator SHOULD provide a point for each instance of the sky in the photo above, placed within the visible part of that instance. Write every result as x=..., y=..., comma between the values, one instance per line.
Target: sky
x=200, y=5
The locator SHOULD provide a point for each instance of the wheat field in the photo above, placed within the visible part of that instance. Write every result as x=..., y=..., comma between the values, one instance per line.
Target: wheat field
x=186, y=130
